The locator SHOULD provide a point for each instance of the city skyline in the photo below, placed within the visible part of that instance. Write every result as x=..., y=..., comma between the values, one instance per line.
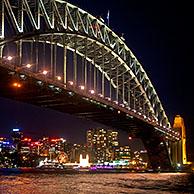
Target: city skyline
x=156, y=41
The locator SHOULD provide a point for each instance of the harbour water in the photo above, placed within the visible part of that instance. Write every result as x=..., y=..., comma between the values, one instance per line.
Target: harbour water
x=110, y=183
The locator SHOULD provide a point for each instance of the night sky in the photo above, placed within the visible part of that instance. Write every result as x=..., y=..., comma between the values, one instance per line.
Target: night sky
x=160, y=34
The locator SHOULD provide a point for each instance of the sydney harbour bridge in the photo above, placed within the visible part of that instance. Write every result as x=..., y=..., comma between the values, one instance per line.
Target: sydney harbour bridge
x=55, y=55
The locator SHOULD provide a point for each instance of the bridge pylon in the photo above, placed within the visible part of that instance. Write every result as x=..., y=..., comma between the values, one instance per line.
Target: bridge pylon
x=178, y=149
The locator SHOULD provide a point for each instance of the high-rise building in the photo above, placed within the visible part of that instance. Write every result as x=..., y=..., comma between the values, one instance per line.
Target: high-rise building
x=101, y=144
x=122, y=153
x=17, y=136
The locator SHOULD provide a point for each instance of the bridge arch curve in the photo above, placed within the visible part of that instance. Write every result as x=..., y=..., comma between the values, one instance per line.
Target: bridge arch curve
x=45, y=29
x=60, y=17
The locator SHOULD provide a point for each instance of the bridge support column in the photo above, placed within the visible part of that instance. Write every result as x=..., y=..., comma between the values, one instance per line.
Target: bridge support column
x=94, y=61
x=123, y=87
x=176, y=153
x=117, y=84
x=2, y=18
x=36, y=54
x=64, y=64
x=129, y=93
x=75, y=66
x=19, y=53
x=103, y=87
x=1, y=52
x=159, y=158
x=85, y=64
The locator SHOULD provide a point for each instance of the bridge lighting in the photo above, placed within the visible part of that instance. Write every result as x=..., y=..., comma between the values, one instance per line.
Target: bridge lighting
x=100, y=95
x=122, y=105
x=9, y=58
x=45, y=72
x=59, y=78
x=70, y=83
x=108, y=98
x=92, y=91
x=82, y=87
x=29, y=65
x=119, y=111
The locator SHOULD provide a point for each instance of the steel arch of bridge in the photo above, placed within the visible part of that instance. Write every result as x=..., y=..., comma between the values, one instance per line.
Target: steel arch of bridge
x=61, y=24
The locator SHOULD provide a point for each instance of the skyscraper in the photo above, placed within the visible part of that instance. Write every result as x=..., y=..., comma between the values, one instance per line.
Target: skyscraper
x=101, y=144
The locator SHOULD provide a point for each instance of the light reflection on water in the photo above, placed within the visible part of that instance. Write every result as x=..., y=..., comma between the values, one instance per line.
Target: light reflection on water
x=161, y=183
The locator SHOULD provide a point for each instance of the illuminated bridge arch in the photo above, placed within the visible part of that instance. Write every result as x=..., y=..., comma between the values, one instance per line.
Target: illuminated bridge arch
x=81, y=49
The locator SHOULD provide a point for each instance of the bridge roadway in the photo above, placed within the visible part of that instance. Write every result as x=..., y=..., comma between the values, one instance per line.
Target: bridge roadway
x=37, y=90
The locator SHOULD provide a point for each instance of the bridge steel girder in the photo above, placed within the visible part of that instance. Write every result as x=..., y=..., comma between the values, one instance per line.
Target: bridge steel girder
x=60, y=16
x=63, y=25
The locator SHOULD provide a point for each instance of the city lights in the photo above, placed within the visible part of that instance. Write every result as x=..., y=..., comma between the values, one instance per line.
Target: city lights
x=15, y=130
x=17, y=85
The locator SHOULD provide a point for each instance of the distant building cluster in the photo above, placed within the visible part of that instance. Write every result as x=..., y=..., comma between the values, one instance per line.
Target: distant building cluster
x=102, y=147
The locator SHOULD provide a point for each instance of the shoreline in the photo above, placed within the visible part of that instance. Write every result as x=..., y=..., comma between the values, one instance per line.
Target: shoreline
x=24, y=170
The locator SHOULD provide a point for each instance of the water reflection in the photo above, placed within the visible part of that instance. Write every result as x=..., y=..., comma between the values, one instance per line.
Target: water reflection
x=164, y=183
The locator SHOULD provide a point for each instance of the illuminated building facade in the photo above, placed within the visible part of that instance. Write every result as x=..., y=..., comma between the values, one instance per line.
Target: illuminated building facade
x=122, y=153
x=76, y=151
x=101, y=144
x=17, y=136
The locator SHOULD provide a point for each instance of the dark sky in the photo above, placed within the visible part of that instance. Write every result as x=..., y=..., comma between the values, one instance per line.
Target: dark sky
x=160, y=34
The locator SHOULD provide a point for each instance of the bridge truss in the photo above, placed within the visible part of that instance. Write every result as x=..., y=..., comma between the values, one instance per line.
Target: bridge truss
x=73, y=49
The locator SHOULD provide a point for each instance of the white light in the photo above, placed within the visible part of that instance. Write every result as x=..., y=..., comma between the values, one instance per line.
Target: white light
x=82, y=87
x=100, y=95
x=116, y=102
x=16, y=130
x=9, y=58
x=59, y=78
x=28, y=65
x=70, y=83
x=108, y=98
x=92, y=91
x=44, y=72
